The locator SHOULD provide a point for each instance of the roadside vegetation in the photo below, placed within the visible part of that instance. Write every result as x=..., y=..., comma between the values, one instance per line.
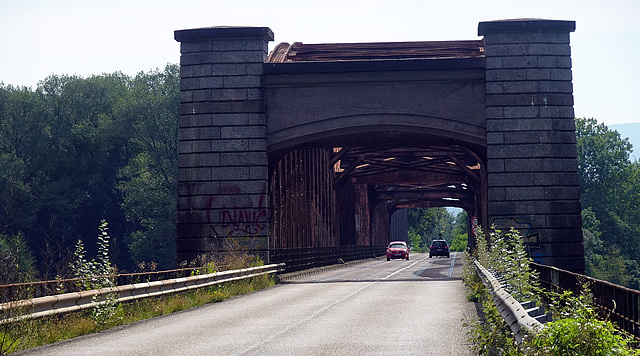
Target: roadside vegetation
x=33, y=333
x=27, y=334
x=610, y=197
x=575, y=329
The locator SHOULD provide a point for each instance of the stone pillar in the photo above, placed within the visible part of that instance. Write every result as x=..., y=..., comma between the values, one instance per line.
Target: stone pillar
x=222, y=153
x=531, y=142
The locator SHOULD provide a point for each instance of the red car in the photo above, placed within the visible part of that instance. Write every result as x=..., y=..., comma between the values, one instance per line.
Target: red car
x=398, y=249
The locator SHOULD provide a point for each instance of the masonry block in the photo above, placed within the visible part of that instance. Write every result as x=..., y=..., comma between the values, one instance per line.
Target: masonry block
x=237, y=145
x=495, y=137
x=569, y=192
x=519, y=179
x=521, y=86
x=495, y=75
x=234, y=132
x=508, y=207
x=243, y=158
x=560, y=165
x=496, y=166
x=559, y=207
x=497, y=194
x=523, y=165
x=519, y=62
x=198, y=160
x=194, y=120
x=198, y=188
x=496, y=50
x=524, y=193
x=194, y=174
x=231, y=173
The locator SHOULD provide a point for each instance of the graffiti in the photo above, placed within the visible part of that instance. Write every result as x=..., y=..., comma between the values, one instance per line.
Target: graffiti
x=530, y=236
x=238, y=221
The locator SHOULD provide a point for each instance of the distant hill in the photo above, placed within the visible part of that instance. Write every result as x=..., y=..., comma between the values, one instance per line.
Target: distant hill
x=631, y=131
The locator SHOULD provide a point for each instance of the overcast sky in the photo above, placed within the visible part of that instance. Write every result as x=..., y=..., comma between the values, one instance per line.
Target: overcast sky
x=85, y=37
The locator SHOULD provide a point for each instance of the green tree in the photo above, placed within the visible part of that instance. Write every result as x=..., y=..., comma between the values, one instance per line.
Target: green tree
x=460, y=232
x=17, y=263
x=149, y=180
x=427, y=224
x=76, y=149
x=609, y=185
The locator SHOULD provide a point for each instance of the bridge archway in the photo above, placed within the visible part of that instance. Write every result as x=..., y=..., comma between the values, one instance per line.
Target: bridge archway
x=496, y=112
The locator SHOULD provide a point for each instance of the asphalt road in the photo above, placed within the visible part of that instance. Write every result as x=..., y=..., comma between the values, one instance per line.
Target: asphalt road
x=413, y=307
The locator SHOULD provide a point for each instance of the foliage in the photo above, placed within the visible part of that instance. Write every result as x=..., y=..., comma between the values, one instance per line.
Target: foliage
x=415, y=242
x=428, y=224
x=460, y=232
x=76, y=148
x=17, y=263
x=149, y=180
x=578, y=331
x=504, y=254
x=29, y=334
x=96, y=274
x=612, y=225
x=491, y=335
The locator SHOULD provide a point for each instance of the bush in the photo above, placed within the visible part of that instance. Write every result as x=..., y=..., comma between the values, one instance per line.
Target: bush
x=576, y=329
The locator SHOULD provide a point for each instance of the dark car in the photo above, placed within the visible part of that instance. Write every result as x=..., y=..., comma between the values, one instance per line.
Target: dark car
x=439, y=248
x=398, y=249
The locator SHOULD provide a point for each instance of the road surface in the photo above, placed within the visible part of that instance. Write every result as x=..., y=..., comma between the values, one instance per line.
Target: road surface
x=378, y=307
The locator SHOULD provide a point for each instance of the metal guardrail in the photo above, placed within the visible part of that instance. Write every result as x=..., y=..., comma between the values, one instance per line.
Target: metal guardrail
x=70, y=302
x=513, y=313
x=43, y=288
x=619, y=304
x=298, y=259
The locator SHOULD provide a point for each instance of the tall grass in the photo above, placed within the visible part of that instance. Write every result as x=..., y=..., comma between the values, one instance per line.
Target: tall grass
x=31, y=333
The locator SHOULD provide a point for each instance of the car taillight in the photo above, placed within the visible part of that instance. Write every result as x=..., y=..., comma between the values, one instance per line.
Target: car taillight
x=446, y=247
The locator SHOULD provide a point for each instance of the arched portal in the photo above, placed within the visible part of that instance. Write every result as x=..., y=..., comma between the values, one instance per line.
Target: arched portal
x=316, y=145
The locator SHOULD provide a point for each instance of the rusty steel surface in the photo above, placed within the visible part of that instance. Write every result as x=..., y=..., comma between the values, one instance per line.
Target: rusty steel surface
x=302, y=200
x=415, y=176
x=300, y=52
x=344, y=196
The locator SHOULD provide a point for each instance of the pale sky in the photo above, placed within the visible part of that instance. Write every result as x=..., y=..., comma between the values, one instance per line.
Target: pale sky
x=85, y=37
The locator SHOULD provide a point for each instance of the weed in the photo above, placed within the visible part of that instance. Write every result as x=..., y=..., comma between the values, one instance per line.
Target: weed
x=94, y=274
x=576, y=330
x=34, y=333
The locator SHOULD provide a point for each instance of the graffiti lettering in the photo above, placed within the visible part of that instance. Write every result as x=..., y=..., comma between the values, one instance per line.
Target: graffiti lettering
x=248, y=221
x=238, y=221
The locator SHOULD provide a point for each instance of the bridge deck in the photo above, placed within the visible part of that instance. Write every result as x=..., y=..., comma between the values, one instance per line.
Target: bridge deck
x=372, y=308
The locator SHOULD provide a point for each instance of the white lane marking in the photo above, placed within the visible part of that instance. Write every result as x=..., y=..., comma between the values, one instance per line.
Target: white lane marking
x=415, y=275
x=320, y=311
x=453, y=263
x=402, y=269
x=305, y=320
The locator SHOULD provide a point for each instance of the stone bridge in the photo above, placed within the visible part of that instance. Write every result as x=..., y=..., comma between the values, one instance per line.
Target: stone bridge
x=322, y=146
